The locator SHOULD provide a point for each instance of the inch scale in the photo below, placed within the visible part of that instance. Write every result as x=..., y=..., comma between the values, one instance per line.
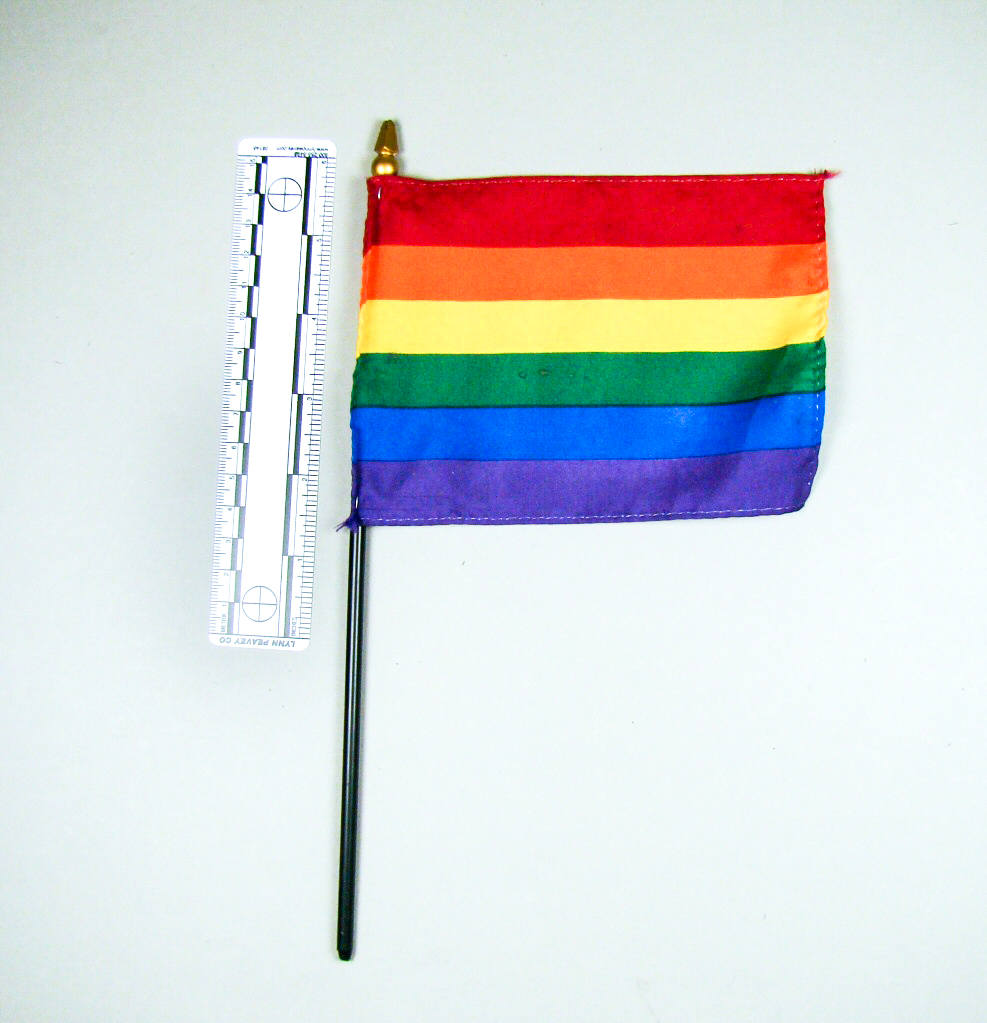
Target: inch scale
x=264, y=546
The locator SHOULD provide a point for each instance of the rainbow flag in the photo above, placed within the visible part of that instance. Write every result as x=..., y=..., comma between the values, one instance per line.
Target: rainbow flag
x=589, y=349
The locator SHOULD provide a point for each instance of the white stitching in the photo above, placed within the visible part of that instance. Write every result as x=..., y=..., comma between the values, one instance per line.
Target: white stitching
x=536, y=179
x=522, y=519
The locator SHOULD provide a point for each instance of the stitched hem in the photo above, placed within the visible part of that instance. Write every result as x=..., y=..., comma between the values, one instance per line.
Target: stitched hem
x=549, y=179
x=371, y=520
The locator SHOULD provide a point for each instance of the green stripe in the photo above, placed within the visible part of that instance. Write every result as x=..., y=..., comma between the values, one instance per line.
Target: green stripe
x=646, y=378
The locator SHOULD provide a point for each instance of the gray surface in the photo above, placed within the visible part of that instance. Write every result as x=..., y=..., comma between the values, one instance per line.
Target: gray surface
x=686, y=772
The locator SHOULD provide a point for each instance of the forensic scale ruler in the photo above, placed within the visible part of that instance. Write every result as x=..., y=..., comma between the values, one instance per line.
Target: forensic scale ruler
x=264, y=548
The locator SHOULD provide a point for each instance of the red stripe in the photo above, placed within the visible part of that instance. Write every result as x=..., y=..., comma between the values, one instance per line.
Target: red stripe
x=780, y=209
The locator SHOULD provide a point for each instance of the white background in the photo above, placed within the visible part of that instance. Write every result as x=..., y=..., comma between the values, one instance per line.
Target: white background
x=687, y=772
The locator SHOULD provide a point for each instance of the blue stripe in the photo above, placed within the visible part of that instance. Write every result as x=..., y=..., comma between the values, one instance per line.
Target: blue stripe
x=493, y=434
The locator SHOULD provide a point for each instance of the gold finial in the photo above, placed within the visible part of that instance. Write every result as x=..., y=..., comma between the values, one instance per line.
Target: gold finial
x=386, y=149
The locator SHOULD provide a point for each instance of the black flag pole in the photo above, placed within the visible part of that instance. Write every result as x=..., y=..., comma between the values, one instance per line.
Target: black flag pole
x=351, y=745
x=385, y=163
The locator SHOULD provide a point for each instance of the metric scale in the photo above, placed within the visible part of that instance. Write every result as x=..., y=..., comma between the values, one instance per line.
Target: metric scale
x=264, y=547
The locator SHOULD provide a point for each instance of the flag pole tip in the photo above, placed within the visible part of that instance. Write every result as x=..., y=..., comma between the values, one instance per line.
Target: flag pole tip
x=386, y=148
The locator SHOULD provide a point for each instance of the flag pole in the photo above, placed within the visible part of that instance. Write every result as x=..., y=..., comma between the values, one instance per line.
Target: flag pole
x=385, y=163
x=351, y=745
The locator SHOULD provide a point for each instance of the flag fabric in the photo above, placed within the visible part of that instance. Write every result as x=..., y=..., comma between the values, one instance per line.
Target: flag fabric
x=589, y=349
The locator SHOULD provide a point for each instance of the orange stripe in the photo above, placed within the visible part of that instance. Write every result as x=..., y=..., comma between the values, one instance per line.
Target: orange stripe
x=465, y=274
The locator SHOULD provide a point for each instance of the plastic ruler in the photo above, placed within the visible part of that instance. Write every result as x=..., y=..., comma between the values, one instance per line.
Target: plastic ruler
x=264, y=547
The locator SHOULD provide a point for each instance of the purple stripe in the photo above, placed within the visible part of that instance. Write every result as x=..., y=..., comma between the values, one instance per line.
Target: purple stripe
x=433, y=492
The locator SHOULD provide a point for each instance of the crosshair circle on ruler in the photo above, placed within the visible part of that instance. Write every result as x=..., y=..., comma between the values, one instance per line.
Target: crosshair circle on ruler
x=259, y=603
x=284, y=195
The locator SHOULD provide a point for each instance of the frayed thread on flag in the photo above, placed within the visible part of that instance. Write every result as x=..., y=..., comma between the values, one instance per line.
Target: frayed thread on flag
x=353, y=522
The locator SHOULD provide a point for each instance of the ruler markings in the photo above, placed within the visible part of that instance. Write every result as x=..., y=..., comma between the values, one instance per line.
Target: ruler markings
x=264, y=549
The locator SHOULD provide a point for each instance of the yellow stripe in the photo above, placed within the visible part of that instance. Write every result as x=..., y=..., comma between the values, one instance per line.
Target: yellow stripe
x=590, y=325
